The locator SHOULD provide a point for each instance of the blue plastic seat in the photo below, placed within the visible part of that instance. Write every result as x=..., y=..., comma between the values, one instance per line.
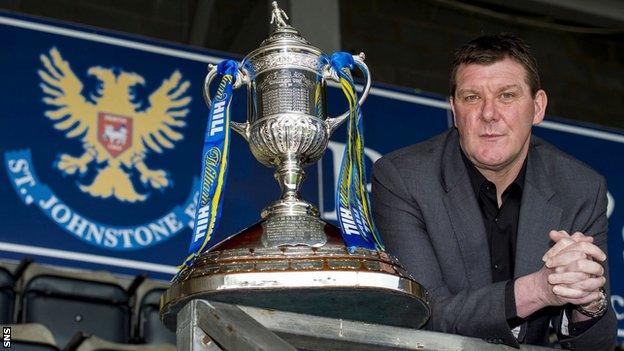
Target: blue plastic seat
x=69, y=302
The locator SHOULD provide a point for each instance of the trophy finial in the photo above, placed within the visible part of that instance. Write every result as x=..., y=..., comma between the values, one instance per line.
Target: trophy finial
x=278, y=15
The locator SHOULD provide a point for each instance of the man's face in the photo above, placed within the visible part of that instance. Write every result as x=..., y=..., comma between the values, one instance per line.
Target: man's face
x=494, y=111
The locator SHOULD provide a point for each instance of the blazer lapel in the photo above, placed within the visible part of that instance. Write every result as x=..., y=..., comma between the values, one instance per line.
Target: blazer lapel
x=538, y=215
x=464, y=214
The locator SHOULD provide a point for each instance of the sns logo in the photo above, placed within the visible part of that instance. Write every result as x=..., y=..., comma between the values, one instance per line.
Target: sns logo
x=6, y=337
x=116, y=131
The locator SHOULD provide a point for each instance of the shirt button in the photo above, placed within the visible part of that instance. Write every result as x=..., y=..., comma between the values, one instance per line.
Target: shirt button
x=495, y=219
x=496, y=266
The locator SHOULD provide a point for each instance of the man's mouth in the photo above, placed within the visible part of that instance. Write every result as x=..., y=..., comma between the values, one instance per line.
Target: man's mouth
x=491, y=136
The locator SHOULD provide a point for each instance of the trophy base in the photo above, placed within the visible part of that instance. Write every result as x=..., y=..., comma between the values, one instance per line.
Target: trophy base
x=327, y=281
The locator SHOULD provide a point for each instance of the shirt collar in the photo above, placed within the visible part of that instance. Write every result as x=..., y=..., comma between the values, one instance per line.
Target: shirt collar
x=478, y=180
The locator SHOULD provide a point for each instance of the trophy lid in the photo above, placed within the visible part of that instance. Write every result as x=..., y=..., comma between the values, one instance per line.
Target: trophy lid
x=283, y=32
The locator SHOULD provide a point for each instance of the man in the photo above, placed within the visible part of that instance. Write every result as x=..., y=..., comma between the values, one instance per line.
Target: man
x=507, y=233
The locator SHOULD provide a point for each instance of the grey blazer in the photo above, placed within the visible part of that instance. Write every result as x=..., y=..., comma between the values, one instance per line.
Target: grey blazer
x=428, y=216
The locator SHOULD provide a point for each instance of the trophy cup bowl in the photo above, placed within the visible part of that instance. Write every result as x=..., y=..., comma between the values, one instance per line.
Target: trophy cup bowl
x=280, y=137
x=292, y=260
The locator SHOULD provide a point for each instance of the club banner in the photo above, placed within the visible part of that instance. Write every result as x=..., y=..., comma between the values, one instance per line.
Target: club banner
x=101, y=140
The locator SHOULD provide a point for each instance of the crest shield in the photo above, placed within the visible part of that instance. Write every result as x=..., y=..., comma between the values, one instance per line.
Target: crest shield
x=114, y=132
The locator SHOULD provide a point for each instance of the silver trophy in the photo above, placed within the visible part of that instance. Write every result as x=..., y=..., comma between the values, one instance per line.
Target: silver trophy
x=292, y=260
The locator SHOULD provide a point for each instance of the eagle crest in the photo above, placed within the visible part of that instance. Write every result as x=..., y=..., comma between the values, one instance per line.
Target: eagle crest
x=114, y=130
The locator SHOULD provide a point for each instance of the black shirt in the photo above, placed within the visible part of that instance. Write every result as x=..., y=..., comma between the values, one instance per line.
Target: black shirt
x=501, y=224
x=501, y=227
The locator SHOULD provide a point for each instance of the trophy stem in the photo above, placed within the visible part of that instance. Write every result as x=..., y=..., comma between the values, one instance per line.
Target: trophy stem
x=290, y=175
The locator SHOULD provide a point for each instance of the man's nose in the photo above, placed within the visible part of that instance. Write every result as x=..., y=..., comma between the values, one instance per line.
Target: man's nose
x=488, y=110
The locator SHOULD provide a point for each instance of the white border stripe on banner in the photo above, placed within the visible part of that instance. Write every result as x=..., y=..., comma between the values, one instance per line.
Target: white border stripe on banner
x=410, y=98
x=75, y=256
x=396, y=95
x=598, y=134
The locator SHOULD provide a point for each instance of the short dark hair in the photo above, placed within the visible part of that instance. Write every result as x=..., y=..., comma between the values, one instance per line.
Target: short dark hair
x=489, y=49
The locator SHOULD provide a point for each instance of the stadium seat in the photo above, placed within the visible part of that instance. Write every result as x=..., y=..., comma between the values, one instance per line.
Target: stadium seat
x=68, y=301
x=149, y=327
x=32, y=337
x=7, y=296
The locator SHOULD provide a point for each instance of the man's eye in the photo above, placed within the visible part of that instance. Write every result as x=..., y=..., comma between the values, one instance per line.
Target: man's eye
x=507, y=96
x=471, y=97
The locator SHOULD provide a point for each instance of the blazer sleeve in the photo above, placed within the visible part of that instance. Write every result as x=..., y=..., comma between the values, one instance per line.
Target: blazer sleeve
x=476, y=312
x=601, y=335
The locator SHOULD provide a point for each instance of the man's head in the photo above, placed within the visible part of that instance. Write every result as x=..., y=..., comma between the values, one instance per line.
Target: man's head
x=488, y=49
x=495, y=101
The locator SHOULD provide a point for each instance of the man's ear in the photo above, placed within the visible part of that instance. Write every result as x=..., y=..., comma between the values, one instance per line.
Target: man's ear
x=540, y=101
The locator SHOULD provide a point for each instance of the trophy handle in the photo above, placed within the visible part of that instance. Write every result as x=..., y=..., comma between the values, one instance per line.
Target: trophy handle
x=334, y=122
x=241, y=78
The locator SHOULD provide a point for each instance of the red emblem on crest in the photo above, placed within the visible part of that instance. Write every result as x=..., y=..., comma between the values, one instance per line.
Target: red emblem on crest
x=114, y=132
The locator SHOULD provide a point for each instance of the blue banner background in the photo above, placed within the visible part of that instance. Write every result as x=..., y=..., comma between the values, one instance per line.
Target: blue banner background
x=393, y=118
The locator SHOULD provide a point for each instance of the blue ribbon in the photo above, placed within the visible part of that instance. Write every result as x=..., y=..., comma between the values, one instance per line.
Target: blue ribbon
x=352, y=200
x=214, y=168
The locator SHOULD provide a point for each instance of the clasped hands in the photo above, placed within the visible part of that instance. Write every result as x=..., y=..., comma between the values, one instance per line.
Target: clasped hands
x=572, y=272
